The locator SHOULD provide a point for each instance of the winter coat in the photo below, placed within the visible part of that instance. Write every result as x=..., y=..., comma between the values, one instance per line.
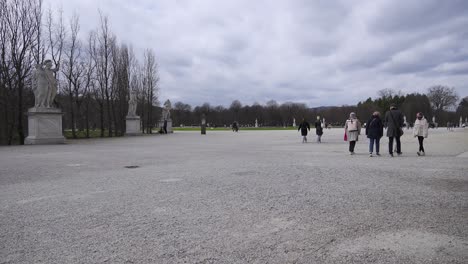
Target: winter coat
x=374, y=128
x=353, y=129
x=394, y=125
x=421, y=128
x=304, y=126
x=318, y=128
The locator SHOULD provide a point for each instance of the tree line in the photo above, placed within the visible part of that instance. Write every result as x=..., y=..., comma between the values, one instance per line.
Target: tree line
x=96, y=72
x=439, y=101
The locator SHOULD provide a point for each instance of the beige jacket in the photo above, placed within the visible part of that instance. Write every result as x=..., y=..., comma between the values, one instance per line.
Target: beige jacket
x=421, y=128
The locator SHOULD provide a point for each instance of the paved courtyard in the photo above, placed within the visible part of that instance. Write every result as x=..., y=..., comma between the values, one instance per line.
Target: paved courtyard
x=247, y=197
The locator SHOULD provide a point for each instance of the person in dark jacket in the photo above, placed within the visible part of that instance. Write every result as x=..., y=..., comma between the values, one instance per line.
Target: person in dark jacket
x=304, y=127
x=318, y=129
x=374, y=131
x=394, y=122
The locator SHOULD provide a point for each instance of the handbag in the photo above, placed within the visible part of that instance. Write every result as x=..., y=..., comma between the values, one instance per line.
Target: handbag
x=345, y=136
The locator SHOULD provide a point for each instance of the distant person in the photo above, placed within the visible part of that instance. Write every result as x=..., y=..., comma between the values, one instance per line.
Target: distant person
x=235, y=127
x=165, y=126
x=374, y=131
x=352, y=130
x=304, y=127
x=421, y=130
x=394, y=123
x=318, y=129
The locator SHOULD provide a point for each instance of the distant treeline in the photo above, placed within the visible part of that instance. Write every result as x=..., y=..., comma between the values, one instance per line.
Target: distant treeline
x=440, y=101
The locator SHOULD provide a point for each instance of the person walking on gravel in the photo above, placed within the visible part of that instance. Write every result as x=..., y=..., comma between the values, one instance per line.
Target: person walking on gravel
x=394, y=122
x=304, y=127
x=420, y=130
x=352, y=130
x=318, y=129
x=374, y=131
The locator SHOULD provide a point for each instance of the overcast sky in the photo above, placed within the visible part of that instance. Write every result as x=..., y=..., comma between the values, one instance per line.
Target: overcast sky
x=317, y=52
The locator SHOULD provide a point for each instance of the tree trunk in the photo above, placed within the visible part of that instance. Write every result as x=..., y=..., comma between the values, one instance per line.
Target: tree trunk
x=109, y=115
x=20, y=112
x=101, y=116
x=72, y=113
x=87, y=119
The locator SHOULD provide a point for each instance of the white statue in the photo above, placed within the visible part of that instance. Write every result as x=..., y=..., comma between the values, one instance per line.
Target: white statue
x=132, y=104
x=45, y=84
x=166, y=114
x=294, y=122
x=256, y=122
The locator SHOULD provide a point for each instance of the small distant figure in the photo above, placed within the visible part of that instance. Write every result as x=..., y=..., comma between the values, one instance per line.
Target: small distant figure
x=374, y=131
x=421, y=131
x=394, y=123
x=235, y=127
x=304, y=127
x=352, y=130
x=165, y=126
x=318, y=129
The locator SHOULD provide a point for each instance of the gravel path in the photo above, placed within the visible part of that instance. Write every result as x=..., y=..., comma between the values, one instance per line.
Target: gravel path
x=247, y=197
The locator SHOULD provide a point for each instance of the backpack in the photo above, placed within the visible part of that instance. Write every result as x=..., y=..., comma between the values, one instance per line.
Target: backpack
x=352, y=125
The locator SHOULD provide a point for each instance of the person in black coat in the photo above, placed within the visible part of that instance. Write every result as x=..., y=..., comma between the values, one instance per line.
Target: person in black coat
x=304, y=127
x=318, y=129
x=374, y=131
x=394, y=122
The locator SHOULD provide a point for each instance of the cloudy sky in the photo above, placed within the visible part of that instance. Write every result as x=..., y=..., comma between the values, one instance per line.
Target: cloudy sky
x=317, y=52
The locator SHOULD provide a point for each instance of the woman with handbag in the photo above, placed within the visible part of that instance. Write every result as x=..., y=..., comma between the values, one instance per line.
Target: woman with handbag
x=352, y=130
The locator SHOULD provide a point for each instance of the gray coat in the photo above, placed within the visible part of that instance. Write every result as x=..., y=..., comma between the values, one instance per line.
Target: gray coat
x=393, y=125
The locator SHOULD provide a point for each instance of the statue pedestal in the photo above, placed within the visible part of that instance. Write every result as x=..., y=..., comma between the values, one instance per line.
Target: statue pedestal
x=169, y=125
x=44, y=126
x=132, y=126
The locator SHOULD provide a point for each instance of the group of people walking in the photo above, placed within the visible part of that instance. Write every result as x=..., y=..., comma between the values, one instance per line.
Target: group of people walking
x=304, y=127
x=393, y=121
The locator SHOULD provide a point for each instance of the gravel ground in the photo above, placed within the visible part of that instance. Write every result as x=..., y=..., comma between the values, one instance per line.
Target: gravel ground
x=247, y=197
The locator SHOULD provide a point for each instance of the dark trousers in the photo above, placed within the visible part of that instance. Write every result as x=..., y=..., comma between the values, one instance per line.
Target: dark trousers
x=421, y=147
x=390, y=145
x=352, y=144
x=377, y=145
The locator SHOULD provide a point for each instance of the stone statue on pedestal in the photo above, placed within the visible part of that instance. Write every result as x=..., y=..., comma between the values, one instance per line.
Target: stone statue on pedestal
x=132, y=121
x=44, y=121
x=165, y=124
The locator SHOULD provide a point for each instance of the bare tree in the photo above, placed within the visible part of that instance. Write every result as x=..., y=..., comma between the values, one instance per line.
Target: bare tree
x=73, y=69
x=150, y=86
x=19, y=31
x=103, y=56
x=442, y=97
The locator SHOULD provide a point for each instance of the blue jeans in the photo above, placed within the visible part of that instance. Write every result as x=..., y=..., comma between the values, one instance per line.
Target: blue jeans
x=371, y=145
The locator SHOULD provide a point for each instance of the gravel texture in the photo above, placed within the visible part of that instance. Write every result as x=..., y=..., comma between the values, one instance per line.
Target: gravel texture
x=224, y=197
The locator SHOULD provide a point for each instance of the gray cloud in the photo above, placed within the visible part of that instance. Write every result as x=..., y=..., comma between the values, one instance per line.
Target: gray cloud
x=317, y=52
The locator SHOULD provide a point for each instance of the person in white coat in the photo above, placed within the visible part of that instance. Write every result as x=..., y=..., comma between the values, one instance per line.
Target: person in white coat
x=421, y=130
